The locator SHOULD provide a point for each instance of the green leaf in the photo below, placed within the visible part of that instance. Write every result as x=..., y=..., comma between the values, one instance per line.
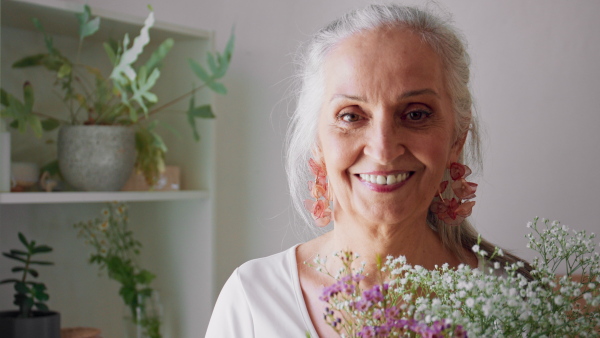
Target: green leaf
x=30, y=61
x=18, y=252
x=47, y=38
x=204, y=111
x=33, y=272
x=228, y=52
x=39, y=292
x=4, y=97
x=28, y=97
x=50, y=124
x=199, y=70
x=145, y=277
x=35, y=124
x=14, y=257
x=20, y=287
x=159, y=54
x=112, y=56
x=192, y=120
x=212, y=64
x=141, y=88
x=42, y=307
x=217, y=87
x=23, y=240
x=87, y=27
x=64, y=70
x=11, y=280
x=41, y=249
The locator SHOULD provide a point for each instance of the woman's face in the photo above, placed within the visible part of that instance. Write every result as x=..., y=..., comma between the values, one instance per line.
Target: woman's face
x=386, y=127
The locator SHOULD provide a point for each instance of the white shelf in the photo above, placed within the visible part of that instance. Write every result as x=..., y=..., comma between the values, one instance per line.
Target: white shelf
x=101, y=196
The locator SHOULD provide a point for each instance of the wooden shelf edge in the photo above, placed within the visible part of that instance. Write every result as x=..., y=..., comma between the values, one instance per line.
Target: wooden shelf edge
x=100, y=196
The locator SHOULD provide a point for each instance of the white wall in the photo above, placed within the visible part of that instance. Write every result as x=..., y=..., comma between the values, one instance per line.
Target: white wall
x=536, y=81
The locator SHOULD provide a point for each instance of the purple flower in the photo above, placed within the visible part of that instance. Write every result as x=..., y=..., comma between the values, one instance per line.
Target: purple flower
x=345, y=284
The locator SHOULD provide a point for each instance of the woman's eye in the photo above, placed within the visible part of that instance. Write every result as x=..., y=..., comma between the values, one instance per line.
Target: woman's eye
x=350, y=117
x=417, y=115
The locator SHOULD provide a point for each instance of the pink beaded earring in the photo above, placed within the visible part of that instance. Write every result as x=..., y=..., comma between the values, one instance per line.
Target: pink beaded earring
x=453, y=211
x=319, y=208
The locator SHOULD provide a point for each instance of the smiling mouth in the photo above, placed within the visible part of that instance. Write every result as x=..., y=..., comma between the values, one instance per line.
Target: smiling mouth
x=385, y=179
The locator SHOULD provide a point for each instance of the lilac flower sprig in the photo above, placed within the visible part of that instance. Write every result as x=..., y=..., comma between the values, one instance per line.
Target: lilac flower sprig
x=492, y=300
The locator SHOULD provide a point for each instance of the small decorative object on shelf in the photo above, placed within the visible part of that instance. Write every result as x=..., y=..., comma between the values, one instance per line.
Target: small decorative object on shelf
x=116, y=250
x=123, y=98
x=491, y=301
x=146, y=323
x=80, y=332
x=167, y=181
x=24, y=176
x=27, y=323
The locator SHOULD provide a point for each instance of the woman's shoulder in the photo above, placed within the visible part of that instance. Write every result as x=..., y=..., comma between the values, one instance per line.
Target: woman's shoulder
x=258, y=291
x=270, y=268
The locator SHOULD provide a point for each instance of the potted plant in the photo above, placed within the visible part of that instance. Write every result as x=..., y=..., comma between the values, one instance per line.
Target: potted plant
x=122, y=99
x=26, y=322
x=116, y=251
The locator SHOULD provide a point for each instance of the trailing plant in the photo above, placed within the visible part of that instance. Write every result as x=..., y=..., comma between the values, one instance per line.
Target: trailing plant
x=28, y=293
x=124, y=97
x=115, y=250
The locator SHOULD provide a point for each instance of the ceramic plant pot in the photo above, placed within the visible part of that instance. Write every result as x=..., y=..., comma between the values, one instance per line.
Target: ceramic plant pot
x=41, y=325
x=96, y=158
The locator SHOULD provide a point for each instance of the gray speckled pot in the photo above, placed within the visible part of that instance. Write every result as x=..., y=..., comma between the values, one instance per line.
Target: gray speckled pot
x=96, y=158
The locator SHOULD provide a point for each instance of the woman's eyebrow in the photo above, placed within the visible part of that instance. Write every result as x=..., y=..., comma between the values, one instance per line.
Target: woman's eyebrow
x=419, y=92
x=426, y=91
x=350, y=97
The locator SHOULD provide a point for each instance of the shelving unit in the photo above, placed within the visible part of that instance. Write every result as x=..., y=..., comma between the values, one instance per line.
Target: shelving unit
x=175, y=227
x=89, y=197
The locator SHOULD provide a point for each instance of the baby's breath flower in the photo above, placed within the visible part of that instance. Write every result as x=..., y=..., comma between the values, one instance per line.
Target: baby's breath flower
x=462, y=299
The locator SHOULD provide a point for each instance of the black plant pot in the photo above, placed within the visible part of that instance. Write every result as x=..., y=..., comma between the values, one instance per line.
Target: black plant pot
x=41, y=325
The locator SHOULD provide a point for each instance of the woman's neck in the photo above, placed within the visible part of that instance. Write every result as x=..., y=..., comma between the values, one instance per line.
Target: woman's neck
x=416, y=241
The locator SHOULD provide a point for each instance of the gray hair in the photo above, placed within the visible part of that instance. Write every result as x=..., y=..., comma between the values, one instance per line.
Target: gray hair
x=444, y=39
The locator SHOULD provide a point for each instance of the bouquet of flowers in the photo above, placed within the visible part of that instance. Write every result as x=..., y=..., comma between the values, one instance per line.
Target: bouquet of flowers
x=494, y=301
x=116, y=250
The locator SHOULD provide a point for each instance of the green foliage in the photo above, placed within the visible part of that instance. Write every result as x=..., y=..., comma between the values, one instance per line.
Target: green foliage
x=125, y=97
x=28, y=294
x=151, y=151
x=116, y=250
x=87, y=26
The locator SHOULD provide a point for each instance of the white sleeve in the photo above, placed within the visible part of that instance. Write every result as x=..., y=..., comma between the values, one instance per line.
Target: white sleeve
x=231, y=316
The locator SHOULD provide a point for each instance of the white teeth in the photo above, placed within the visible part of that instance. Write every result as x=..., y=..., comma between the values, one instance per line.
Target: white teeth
x=384, y=179
x=391, y=179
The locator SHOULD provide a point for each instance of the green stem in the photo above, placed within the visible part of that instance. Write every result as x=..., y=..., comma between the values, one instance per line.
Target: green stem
x=26, y=266
x=172, y=102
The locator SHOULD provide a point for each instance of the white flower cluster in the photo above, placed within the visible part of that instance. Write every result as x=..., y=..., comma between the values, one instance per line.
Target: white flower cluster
x=497, y=301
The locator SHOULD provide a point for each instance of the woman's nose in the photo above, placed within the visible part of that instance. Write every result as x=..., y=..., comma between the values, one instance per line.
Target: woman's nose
x=384, y=142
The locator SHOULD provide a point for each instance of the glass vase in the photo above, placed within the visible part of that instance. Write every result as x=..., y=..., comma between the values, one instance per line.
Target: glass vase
x=146, y=323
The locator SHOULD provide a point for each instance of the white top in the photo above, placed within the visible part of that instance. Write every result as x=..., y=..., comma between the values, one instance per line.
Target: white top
x=262, y=298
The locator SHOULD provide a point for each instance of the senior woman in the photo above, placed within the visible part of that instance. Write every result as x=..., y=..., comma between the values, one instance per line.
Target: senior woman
x=382, y=118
